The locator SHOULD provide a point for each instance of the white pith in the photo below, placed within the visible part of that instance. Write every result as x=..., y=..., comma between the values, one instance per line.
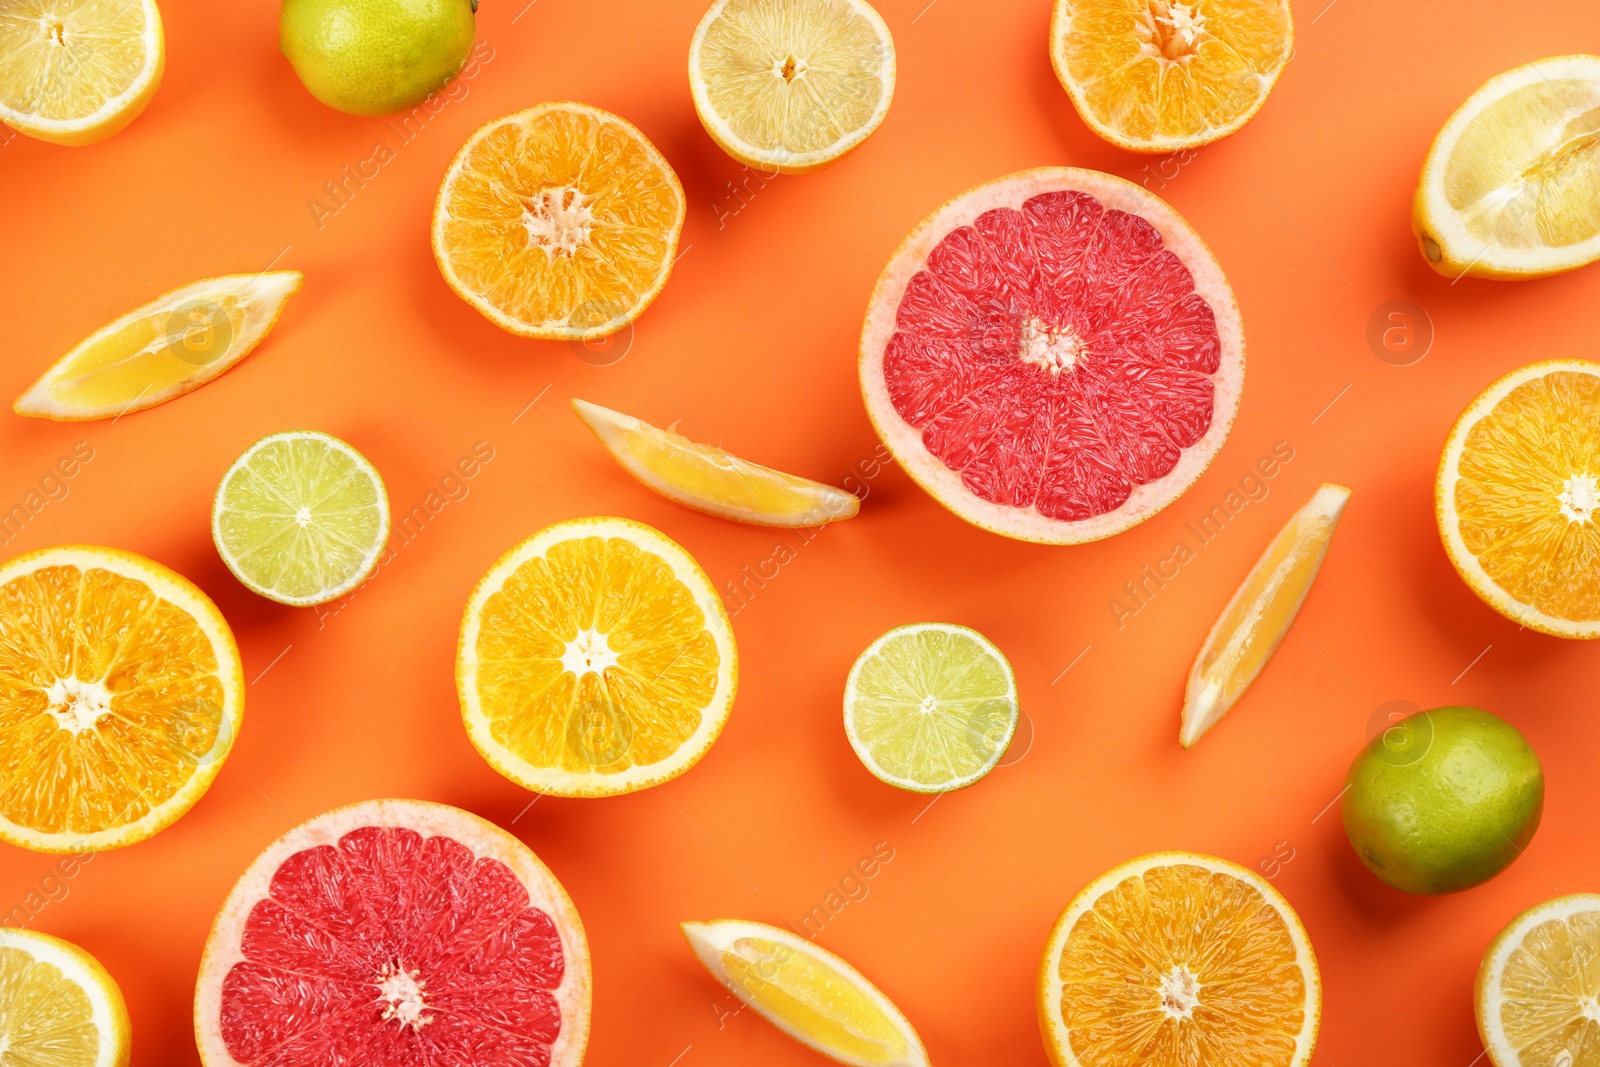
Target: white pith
x=559, y=220
x=484, y=839
x=1050, y=348
x=1180, y=992
x=588, y=653
x=1579, y=497
x=402, y=992
x=945, y=485
x=78, y=705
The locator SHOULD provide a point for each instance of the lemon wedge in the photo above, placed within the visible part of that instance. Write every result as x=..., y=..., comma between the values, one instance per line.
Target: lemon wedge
x=708, y=479
x=1510, y=187
x=1260, y=614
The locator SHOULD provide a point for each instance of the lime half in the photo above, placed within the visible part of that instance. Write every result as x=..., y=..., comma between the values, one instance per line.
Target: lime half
x=301, y=517
x=930, y=707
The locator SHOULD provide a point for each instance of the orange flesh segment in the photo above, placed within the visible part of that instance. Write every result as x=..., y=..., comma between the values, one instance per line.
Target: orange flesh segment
x=654, y=663
x=109, y=696
x=1526, y=496
x=1182, y=966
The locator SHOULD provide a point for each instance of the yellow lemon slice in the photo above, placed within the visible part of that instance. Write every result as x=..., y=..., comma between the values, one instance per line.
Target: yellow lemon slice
x=791, y=85
x=1176, y=959
x=1510, y=186
x=121, y=694
x=807, y=992
x=76, y=71
x=1537, y=986
x=595, y=658
x=708, y=479
x=172, y=345
x=1159, y=75
x=559, y=222
x=1260, y=613
x=58, y=1006
x=1517, y=498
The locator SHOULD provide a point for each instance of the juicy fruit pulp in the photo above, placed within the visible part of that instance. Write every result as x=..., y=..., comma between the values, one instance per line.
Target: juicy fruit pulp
x=808, y=992
x=930, y=707
x=301, y=517
x=1538, y=984
x=791, y=84
x=1510, y=186
x=1518, y=494
x=58, y=1006
x=174, y=344
x=76, y=71
x=561, y=221
x=711, y=480
x=119, y=697
x=1174, y=960
x=1443, y=800
x=375, y=57
x=1159, y=75
x=595, y=658
x=1260, y=613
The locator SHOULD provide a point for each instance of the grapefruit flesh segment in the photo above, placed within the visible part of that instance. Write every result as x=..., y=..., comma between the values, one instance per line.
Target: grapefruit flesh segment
x=390, y=947
x=1055, y=356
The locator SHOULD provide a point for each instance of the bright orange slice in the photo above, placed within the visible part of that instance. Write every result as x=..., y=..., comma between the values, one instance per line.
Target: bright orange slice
x=595, y=658
x=1177, y=959
x=558, y=222
x=708, y=479
x=1518, y=497
x=1160, y=76
x=120, y=696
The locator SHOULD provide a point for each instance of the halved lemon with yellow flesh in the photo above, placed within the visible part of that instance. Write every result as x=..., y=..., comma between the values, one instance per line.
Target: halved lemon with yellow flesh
x=791, y=85
x=1176, y=959
x=1260, y=613
x=1160, y=76
x=58, y=1006
x=174, y=344
x=595, y=658
x=807, y=992
x=1537, y=987
x=1511, y=183
x=559, y=222
x=1518, y=497
x=711, y=480
x=121, y=694
x=73, y=72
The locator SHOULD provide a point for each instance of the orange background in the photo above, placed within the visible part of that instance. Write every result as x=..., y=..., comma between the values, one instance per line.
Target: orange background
x=753, y=345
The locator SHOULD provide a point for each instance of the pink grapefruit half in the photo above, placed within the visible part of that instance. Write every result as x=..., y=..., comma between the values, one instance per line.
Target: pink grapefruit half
x=1054, y=356
x=395, y=932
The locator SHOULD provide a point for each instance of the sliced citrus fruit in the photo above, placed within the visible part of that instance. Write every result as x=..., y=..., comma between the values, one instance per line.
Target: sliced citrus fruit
x=175, y=343
x=559, y=222
x=791, y=85
x=1054, y=356
x=1538, y=984
x=1159, y=76
x=120, y=696
x=58, y=1006
x=73, y=72
x=930, y=707
x=1510, y=186
x=1179, y=959
x=711, y=480
x=807, y=992
x=595, y=658
x=393, y=933
x=301, y=517
x=1518, y=497
x=1260, y=613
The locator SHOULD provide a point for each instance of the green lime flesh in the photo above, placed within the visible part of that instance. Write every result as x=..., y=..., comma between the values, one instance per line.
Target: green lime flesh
x=375, y=57
x=1443, y=800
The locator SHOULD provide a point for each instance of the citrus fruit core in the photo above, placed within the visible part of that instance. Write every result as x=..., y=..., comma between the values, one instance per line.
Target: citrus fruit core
x=1060, y=348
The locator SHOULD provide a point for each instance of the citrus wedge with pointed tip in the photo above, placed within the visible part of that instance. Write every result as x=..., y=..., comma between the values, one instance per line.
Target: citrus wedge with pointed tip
x=708, y=479
x=170, y=346
x=807, y=992
x=58, y=1006
x=1260, y=614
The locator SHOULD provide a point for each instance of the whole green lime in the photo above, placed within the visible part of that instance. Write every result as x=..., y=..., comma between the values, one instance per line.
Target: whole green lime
x=1443, y=800
x=376, y=57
